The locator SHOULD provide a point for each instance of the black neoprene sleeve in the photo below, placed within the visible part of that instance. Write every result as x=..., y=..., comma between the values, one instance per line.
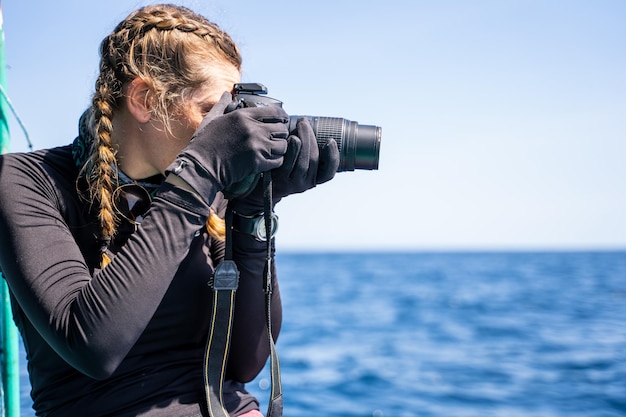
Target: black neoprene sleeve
x=93, y=321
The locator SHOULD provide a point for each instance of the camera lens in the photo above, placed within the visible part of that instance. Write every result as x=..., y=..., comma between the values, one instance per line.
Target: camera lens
x=359, y=145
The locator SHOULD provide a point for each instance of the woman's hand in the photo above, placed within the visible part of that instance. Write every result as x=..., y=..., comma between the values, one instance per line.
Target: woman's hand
x=304, y=166
x=227, y=148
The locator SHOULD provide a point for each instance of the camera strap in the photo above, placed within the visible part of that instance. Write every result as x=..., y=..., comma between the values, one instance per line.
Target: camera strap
x=224, y=285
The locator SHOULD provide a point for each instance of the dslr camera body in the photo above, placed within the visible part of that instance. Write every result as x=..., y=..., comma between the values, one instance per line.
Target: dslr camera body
x=359, y=145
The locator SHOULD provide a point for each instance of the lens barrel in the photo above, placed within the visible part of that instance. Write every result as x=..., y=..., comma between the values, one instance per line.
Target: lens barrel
x=359, y=145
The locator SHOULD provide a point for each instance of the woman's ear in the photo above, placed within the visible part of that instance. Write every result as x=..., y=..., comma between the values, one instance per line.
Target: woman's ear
x=138, y=100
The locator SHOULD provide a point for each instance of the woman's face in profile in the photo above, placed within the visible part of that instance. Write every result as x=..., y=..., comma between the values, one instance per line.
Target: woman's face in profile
x=194, y=110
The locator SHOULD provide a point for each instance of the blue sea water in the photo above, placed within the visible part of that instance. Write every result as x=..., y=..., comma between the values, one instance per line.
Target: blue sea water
x=451, y=334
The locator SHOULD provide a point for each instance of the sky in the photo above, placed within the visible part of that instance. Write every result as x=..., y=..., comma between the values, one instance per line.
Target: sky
x=503, y=122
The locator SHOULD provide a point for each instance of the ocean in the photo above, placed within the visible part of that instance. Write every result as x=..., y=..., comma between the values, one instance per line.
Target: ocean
x=509, y=334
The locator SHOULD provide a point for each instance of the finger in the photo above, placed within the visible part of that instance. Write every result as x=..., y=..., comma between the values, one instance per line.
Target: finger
x=294, y=145
x=279, y=134
x=278, y=129
x=271, y=156
x=217, y=109
x=328, y=161
x=274, y=118
x=307, y=160
x=220, y=107
x=277, y=147
x=267, y=114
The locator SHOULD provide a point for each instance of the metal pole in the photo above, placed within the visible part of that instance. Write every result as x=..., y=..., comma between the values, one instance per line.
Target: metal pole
x=10, y=345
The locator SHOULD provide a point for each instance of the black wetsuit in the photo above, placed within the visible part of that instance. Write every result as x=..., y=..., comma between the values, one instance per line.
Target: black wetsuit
x=127, y=340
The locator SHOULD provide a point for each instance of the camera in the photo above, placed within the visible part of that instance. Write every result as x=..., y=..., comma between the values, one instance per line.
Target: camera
x=359, y=145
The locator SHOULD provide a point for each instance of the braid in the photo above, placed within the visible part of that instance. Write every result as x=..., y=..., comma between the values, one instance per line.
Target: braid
x=216, y=226
x=103, y=160
x=168, y=47
x=167, y=18
x=101, y=168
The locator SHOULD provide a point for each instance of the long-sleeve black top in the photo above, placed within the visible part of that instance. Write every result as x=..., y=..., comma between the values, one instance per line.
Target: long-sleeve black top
x=129, y=339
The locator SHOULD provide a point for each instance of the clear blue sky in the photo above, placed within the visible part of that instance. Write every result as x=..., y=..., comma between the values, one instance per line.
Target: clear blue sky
x=504, y=122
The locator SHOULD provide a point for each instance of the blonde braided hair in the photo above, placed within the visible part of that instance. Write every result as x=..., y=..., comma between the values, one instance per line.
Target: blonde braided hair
x=168, y=47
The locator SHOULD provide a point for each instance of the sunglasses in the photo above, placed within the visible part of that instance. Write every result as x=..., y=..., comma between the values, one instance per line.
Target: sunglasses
x=131, y=201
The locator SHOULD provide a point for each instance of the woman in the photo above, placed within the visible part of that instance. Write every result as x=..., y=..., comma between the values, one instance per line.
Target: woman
x=108, y=243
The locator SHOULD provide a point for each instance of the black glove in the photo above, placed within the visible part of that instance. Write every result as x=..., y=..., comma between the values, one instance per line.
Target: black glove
x=227, y=148
x=304, y=166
